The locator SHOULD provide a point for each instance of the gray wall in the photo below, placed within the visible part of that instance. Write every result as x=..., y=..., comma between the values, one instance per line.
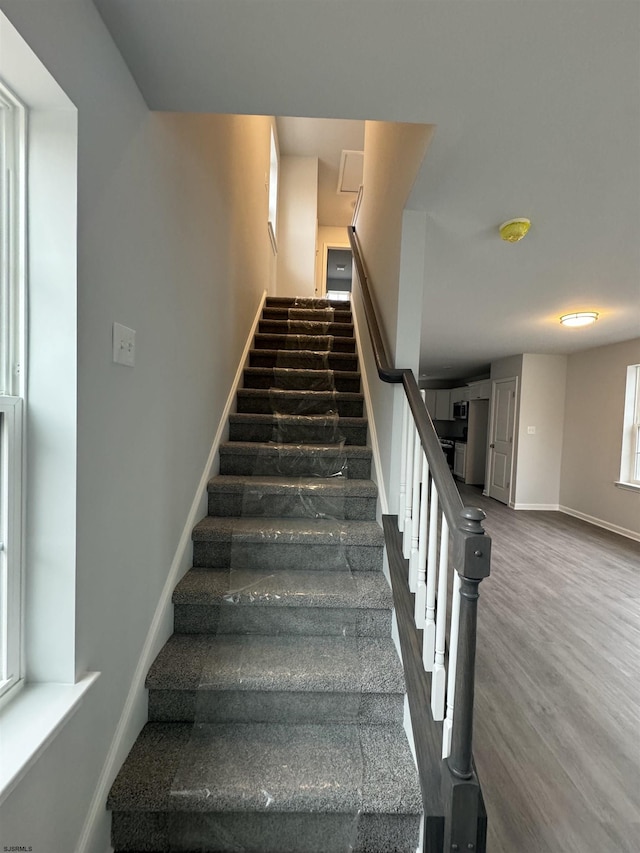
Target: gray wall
x=172, y=241
x=593, y=421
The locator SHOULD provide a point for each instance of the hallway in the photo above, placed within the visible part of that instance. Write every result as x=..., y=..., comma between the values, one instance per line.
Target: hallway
x=558, y=687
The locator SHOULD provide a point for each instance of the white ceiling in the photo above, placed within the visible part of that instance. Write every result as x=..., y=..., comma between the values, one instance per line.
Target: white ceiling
x=537, y=108
x=324, y=139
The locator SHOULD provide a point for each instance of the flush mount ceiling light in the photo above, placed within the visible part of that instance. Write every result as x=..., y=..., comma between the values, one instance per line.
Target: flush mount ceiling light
x=514, y=229
x=580, y=318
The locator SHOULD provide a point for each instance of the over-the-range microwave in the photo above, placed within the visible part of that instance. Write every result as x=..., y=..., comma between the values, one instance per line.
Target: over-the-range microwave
x=461, y=410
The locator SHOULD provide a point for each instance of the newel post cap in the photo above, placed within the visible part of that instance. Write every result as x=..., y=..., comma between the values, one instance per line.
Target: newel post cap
x=472, y=518
x=472, y=550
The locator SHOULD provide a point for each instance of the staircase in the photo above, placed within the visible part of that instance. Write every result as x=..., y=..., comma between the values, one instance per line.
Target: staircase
x=275, y=709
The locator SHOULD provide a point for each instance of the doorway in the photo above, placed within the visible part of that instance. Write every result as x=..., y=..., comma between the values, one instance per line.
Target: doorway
x=503, y=416
x=337, y=273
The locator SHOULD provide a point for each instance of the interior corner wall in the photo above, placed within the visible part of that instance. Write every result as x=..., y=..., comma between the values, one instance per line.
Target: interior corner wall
x=596, y=381
x=172, y=241
x=539, y=454
x=393, y=153
x=410, y=290
x=297, y=226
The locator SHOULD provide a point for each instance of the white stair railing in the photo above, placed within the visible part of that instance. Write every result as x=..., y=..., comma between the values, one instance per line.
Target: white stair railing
x=448, y=553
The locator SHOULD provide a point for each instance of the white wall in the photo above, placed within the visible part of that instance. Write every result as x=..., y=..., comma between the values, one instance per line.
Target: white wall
x=297, y=226
x=171, y=241
x=393, y=154
x=505, y=368
x=411, y=285
x=539, y=403
x=593, y=438
x=539, y=459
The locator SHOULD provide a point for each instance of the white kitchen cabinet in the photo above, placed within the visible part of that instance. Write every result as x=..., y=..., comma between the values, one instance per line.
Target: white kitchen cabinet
x=479, y=390
x=444, y=408
x=459, y=460
x=459, y=395
x=430, y=401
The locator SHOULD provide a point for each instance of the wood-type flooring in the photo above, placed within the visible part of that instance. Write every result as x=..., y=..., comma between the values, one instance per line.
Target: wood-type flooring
x=557, y=713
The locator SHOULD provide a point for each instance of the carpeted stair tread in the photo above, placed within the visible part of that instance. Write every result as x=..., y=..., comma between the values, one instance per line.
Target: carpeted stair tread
x=303, y=358
x=283, y=485
x=303, y=380
x=281, y=588
x=288, y=543
x=309, y=326
x=277, y=601
x=257, y=767
x=310, y=303
x=302, y=429
x=314, y=343
x=277, y=663
x=321, y=314
x=247, y=458
x=308, y=531
x=294, y=402
x=293, y=497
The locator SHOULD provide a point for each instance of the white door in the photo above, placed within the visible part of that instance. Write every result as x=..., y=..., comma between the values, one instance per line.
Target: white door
x=503, y=416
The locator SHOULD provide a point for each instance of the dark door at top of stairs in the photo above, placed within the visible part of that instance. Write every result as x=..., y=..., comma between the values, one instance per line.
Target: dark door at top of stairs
x=276, y=707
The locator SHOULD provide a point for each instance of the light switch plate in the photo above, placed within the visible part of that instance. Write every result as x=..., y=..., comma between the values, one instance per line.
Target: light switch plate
x=124, y=345
x=531, y=430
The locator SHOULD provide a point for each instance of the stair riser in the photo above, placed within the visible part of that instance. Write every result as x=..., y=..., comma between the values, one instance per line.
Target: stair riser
x=294, y=380
x=304, y=342
x=339, y=310
x=292, y=360
x=229, y=504
x=253, y=706
x=297, y=433
x=311, y=327
x=272, y=621
x=269, y=404
x=271, y=556
x=297, y=465
x=279, y=304
x=274, y=832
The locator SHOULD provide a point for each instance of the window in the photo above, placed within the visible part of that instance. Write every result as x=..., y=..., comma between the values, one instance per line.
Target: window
x=273, y=191
x=12, y=229
x=630, y=462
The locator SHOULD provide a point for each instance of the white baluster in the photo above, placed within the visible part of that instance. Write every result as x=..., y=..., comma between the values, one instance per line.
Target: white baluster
x=415, y=513
x=403, y=465
x=408, y=502
x=439, y=676
x=421, y=590
x=429, y=635
x=447, y=726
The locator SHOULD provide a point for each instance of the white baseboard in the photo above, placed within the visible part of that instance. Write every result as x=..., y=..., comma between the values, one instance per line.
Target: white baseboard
x=539, y=507
x=599, y=522
x=157, y=635
x=373, y=435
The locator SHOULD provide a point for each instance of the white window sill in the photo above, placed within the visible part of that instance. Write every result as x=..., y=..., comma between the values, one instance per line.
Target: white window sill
x=632, y=487
x=31, y=721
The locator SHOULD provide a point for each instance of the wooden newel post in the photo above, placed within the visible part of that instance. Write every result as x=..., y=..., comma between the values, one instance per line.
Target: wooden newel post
x=472, y=552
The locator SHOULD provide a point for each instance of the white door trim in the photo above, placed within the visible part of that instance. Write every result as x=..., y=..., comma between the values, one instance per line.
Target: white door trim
x=513, y=417
x=326, y=246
